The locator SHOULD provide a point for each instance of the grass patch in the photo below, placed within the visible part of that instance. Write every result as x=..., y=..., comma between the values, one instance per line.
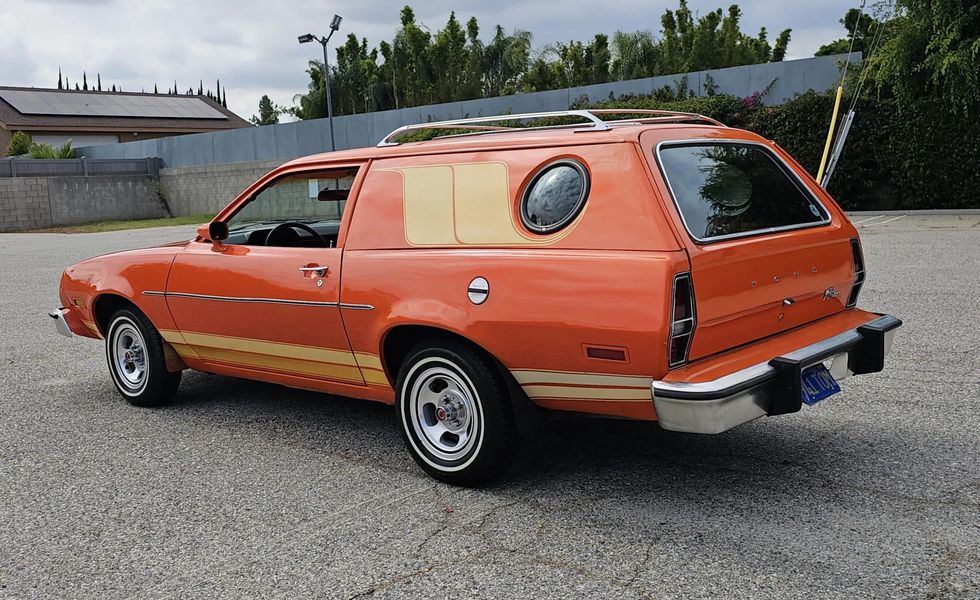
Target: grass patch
x=121, y=225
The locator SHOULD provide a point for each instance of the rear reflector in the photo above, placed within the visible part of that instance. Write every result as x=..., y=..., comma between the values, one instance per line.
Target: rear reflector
x=858, y=256
x=682, y=319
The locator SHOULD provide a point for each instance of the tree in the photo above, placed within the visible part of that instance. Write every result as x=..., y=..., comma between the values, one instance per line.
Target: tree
x=505, y=60
x=865, y=24
x=59, y=79
x=155, y=89
x=782, y=42
x=84, y=81
x=419, y=67
x=20, y=143
x=268, y=113
x=931, y=48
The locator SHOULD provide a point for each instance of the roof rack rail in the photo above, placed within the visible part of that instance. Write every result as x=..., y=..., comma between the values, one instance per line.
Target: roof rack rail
x=591, y=122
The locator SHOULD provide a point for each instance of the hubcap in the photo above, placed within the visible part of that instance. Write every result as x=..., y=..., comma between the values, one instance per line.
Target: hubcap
x=129, y=355
x=443, y=412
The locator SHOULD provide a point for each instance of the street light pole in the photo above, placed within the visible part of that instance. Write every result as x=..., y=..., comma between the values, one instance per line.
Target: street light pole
x=326, y=82
x=309, y=37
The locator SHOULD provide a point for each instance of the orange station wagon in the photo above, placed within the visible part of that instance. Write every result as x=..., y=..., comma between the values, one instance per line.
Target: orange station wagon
x=643, y=264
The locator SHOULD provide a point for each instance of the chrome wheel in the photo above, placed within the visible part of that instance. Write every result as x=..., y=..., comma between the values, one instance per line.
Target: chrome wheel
x=127, y=355
x=443, y=410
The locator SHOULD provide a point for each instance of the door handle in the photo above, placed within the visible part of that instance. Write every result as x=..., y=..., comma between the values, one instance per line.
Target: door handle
x=320, y=271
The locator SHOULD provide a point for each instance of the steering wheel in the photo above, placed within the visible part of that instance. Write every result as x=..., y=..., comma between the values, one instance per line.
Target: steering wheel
x=278, y=229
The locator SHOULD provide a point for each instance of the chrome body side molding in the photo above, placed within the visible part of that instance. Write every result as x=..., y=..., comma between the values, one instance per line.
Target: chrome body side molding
x=343, y=305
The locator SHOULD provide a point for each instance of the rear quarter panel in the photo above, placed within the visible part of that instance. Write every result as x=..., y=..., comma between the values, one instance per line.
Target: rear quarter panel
x=601, y=283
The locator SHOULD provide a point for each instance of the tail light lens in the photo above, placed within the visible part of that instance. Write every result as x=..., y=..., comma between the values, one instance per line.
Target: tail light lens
x=858, y=256
x=682, y=319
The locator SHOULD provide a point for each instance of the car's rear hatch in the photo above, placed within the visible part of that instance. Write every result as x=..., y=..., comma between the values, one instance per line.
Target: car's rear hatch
x=767, y=255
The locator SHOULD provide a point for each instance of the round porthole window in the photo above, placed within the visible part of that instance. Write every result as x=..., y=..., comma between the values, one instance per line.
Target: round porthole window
x=555, y=196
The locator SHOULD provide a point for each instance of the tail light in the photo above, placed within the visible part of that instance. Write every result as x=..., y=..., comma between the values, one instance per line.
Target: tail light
x=682, y=319
x=858, y=256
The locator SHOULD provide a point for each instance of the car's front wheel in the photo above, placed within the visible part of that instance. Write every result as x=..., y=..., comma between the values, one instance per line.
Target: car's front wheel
x=137, y=363
x=455, y=413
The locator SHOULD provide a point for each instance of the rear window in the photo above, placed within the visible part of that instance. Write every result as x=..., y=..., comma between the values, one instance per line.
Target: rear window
x=729, y=190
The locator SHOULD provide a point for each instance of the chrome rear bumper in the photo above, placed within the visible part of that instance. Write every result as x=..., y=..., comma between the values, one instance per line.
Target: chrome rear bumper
x=59, y=322
x=773, y=387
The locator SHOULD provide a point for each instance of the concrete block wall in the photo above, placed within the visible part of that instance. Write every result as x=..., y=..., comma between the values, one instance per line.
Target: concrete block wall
x=207, y=189
x=24, y=203
x=39, y=202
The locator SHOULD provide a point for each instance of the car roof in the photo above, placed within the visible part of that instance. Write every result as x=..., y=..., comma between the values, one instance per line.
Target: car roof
x=529, y=138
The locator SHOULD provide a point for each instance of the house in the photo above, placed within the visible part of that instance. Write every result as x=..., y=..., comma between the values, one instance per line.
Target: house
x=89, y=117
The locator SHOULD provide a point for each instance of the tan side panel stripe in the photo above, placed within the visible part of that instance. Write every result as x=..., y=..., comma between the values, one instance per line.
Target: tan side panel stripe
x=375, y=377
x=579, y=399
x=305, y=360
x=525, y=377
x=368, y=361
x=277, y=349
x=279, y=363
x=95, y=328
x=554, y=391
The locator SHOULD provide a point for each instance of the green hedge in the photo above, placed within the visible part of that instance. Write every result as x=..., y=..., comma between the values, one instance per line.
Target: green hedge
x=920, y=158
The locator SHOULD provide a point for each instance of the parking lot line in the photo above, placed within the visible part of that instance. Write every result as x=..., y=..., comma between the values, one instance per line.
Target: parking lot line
x=868, y=219
x=890, y=220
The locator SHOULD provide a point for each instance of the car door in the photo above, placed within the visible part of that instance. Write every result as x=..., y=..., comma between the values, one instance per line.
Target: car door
x=266, y=300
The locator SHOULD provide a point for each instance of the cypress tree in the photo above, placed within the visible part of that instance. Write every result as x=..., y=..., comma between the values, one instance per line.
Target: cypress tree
x=84, y=81
x=155, y=89
x=98, y=79
x=59, y=79
x=76, y=87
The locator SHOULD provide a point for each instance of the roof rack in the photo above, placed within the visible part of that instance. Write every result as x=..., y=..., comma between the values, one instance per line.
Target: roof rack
x=591, y=122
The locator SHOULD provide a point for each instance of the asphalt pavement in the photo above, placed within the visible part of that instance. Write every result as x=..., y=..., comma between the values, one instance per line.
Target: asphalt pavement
x=243, y=489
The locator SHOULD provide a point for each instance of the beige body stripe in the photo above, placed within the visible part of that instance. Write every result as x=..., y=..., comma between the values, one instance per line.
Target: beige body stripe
x=579, y=399
x=368, y=361
x=525, y=377
x=308, y=353
x=293, y=358
x=279, y=363
x=93, y=327
x=554, y=391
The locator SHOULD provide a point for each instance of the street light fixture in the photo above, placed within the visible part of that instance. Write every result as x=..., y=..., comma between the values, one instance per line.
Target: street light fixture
x=309, y=37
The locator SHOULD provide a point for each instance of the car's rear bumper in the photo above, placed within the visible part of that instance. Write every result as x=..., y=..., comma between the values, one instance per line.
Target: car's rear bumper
x=772, y=387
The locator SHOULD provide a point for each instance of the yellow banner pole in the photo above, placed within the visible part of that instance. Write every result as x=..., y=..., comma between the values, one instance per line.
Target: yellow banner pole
x=830, y=134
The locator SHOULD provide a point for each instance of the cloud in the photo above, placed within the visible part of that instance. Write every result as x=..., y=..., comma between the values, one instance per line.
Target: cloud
x=251, y=44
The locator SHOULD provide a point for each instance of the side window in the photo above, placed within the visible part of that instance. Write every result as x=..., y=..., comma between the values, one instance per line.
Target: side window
x=299, y=209
x=555, y=196
x=728, y=190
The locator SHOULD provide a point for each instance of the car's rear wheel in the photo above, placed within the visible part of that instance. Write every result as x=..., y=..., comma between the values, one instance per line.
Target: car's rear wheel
x=455, y=413
x=137, y=363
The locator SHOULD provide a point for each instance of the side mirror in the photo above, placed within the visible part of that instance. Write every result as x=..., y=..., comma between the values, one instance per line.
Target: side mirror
x=217, y=231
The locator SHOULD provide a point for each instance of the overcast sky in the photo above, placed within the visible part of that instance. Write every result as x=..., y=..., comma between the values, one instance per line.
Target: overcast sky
x=251, y=44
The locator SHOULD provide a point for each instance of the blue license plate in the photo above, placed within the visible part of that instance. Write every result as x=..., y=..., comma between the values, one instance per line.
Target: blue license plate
x=818, y=384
